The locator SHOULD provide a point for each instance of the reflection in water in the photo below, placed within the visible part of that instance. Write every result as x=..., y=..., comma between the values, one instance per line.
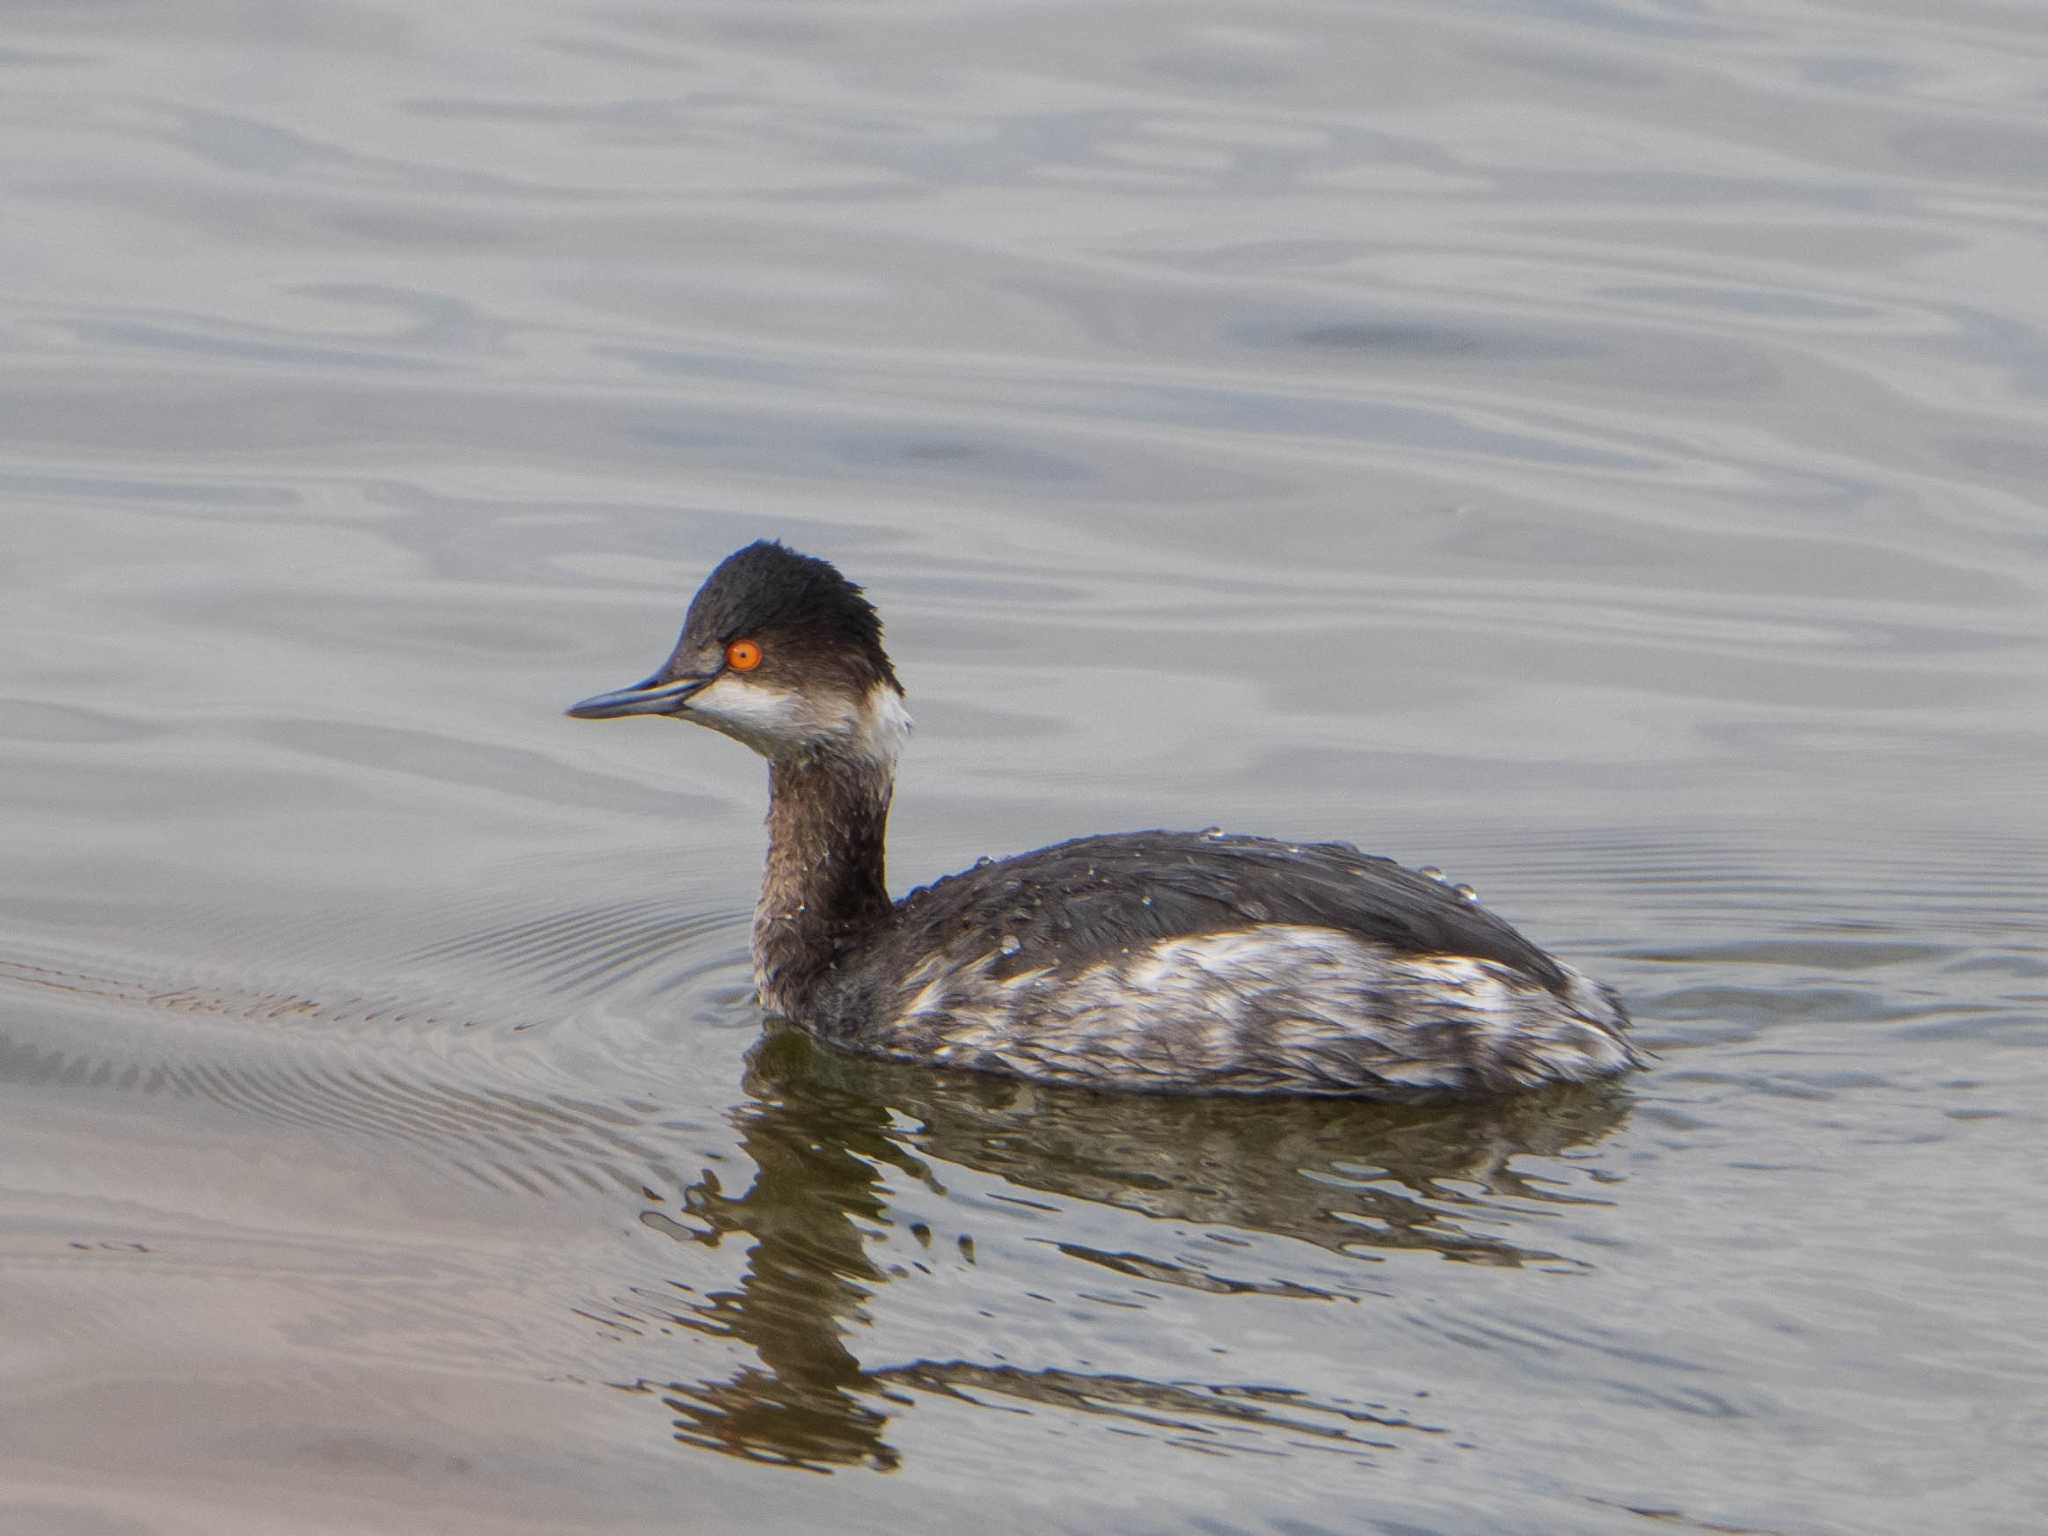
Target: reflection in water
x=1129, y=1195
x=821, y=1128
x=806, y=1278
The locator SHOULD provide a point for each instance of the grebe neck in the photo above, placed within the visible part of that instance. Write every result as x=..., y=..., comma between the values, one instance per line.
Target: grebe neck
x=823, y=891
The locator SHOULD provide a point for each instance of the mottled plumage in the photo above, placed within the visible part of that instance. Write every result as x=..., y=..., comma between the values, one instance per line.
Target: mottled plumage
x=1156, y=961
x=1189, y=962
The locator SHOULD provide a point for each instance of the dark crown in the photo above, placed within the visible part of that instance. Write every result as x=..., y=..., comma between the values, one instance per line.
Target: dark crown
x=768, y=589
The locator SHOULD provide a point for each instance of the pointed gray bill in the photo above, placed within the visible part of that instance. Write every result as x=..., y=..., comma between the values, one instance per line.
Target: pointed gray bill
x=655, y=696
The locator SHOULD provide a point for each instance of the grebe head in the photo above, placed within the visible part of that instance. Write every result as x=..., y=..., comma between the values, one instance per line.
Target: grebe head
x=783, y=653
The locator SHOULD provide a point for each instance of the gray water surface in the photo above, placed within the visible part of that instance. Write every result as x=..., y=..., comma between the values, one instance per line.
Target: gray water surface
x=1596, y=449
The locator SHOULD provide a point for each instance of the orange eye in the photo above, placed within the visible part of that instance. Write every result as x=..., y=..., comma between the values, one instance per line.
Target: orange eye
x=743, y=655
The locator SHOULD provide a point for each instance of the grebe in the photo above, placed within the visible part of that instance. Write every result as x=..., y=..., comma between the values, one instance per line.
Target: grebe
x=1177, y=962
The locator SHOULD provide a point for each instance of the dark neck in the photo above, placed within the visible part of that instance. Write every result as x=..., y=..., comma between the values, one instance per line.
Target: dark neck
x=823, y=890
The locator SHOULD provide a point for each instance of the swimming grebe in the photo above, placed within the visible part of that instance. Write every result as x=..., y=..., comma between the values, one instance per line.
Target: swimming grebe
x=1179, y=962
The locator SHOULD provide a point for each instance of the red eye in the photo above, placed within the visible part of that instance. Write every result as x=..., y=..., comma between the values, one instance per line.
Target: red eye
x=743, y=655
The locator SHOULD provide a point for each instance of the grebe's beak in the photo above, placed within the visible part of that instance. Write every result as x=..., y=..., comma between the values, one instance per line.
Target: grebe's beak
x=656, y=695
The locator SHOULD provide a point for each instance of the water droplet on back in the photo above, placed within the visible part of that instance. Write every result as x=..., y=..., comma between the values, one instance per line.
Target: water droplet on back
x=1010, y=944
x=1431, y=871
x=983, y=862
x=1465, y=893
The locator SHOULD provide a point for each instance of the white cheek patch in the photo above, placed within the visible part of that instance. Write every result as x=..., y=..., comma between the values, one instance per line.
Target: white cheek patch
x=766, y=718
x=782, y=722
x=884, y=724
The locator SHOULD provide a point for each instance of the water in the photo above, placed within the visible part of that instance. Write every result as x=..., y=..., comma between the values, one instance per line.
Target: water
x=1597, y=451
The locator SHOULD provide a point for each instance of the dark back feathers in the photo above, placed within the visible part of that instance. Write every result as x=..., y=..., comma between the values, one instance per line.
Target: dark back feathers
x=1077, y=903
